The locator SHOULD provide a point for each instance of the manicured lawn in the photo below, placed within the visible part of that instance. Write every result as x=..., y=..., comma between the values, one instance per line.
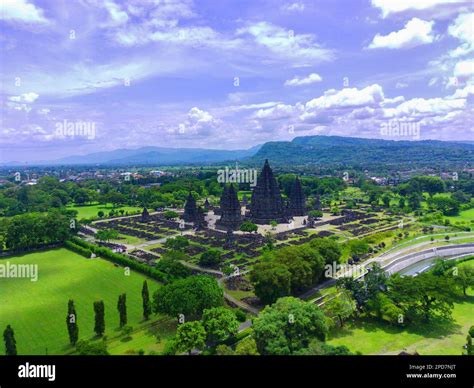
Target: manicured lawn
x=89, y=211
x=466, y=216
x=37, y=310
x=145, y=339
x=371, y=337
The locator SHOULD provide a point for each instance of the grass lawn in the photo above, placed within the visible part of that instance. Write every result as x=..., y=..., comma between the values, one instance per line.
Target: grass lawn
x=145, y=339
x=89, y=211
x=131, y=240
x=466, y=216
x=37, y=310
x=436, y=338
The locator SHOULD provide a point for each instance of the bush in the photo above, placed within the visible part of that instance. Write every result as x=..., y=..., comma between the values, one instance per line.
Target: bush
x=240, y=315
x=78, y=249
x=471, y=331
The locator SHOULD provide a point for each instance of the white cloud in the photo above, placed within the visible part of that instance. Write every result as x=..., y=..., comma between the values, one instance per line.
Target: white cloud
x=21, y=11
x=463, y=29
x=301, y=49
x=25, y=97
x=198, y=122
x=401, y=85
x=389, y=7
x=310, y=79
x=415, y=33
x=277, y=112
x=347, y=97
x=293, y=7
x=464, y=69
x=116, y=14
x=419, y=107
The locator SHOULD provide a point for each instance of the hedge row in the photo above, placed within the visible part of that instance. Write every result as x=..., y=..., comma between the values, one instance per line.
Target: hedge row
x=86, y=252
x=123, y=260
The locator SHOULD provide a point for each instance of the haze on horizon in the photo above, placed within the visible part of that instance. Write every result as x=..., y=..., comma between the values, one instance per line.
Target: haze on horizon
x=90, y=76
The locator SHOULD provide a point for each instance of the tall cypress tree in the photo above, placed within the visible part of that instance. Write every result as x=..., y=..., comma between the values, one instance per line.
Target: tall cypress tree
x=122, y=309
x=146, y=301
x=10, y=342
x=71, y=322
x=99, y=310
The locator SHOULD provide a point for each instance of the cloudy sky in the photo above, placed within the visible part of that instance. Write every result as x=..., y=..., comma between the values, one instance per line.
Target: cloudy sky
x=83, y=76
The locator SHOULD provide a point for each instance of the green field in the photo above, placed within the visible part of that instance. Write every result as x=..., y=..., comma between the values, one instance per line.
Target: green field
x=466, y=216
x=90, y=211
x=373, y=337
x=37, y=310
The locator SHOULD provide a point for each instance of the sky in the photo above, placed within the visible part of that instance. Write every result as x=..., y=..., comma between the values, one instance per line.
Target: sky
x=84, y=76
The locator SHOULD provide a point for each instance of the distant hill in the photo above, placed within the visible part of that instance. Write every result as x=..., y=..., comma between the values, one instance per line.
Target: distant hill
x=156, y=156
x=308, y=150
x=336, y=150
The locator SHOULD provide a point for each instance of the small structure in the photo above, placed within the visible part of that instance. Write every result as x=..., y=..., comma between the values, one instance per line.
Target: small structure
x=145, y=215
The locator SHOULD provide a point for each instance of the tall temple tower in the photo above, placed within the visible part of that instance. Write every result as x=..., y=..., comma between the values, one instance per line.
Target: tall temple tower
x=266, y=203
x=296, y=206
x=191, y=212
x=231, y=217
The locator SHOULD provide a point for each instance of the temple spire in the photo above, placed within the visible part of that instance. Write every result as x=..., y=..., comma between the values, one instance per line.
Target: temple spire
x=266, y=203
x=230, y=209
x=297, y=201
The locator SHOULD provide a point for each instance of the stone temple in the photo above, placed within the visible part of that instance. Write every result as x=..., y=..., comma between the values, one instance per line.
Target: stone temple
x=191, y=211
x=296, y=205
x=231, y=217
x=266, y=202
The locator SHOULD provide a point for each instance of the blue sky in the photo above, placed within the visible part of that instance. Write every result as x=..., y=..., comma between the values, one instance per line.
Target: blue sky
x=84, y=76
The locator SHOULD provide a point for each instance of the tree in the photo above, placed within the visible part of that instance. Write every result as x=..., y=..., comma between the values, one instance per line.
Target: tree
x=177, y=243
x=274, y=224
x=146, y=301
x=330, y=250
x=99, y=310
x=122, y=309
x=423, y=297
x=170, y=214
x=341, y=306
x=220, y=324
x=189, y=336
x=172, y=267
x=271, y=281
x=464, y=278
x=10, y=342
x=247, y=347
x=106, y=234
x=189, y=296
x=248, y=227
x=210, y=258
x=300, y=269
x=315, y=214
x=288, y=326
x=71, y=322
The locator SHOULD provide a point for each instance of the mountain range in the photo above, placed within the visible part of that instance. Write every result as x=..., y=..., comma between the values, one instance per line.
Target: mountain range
x=317, y=150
